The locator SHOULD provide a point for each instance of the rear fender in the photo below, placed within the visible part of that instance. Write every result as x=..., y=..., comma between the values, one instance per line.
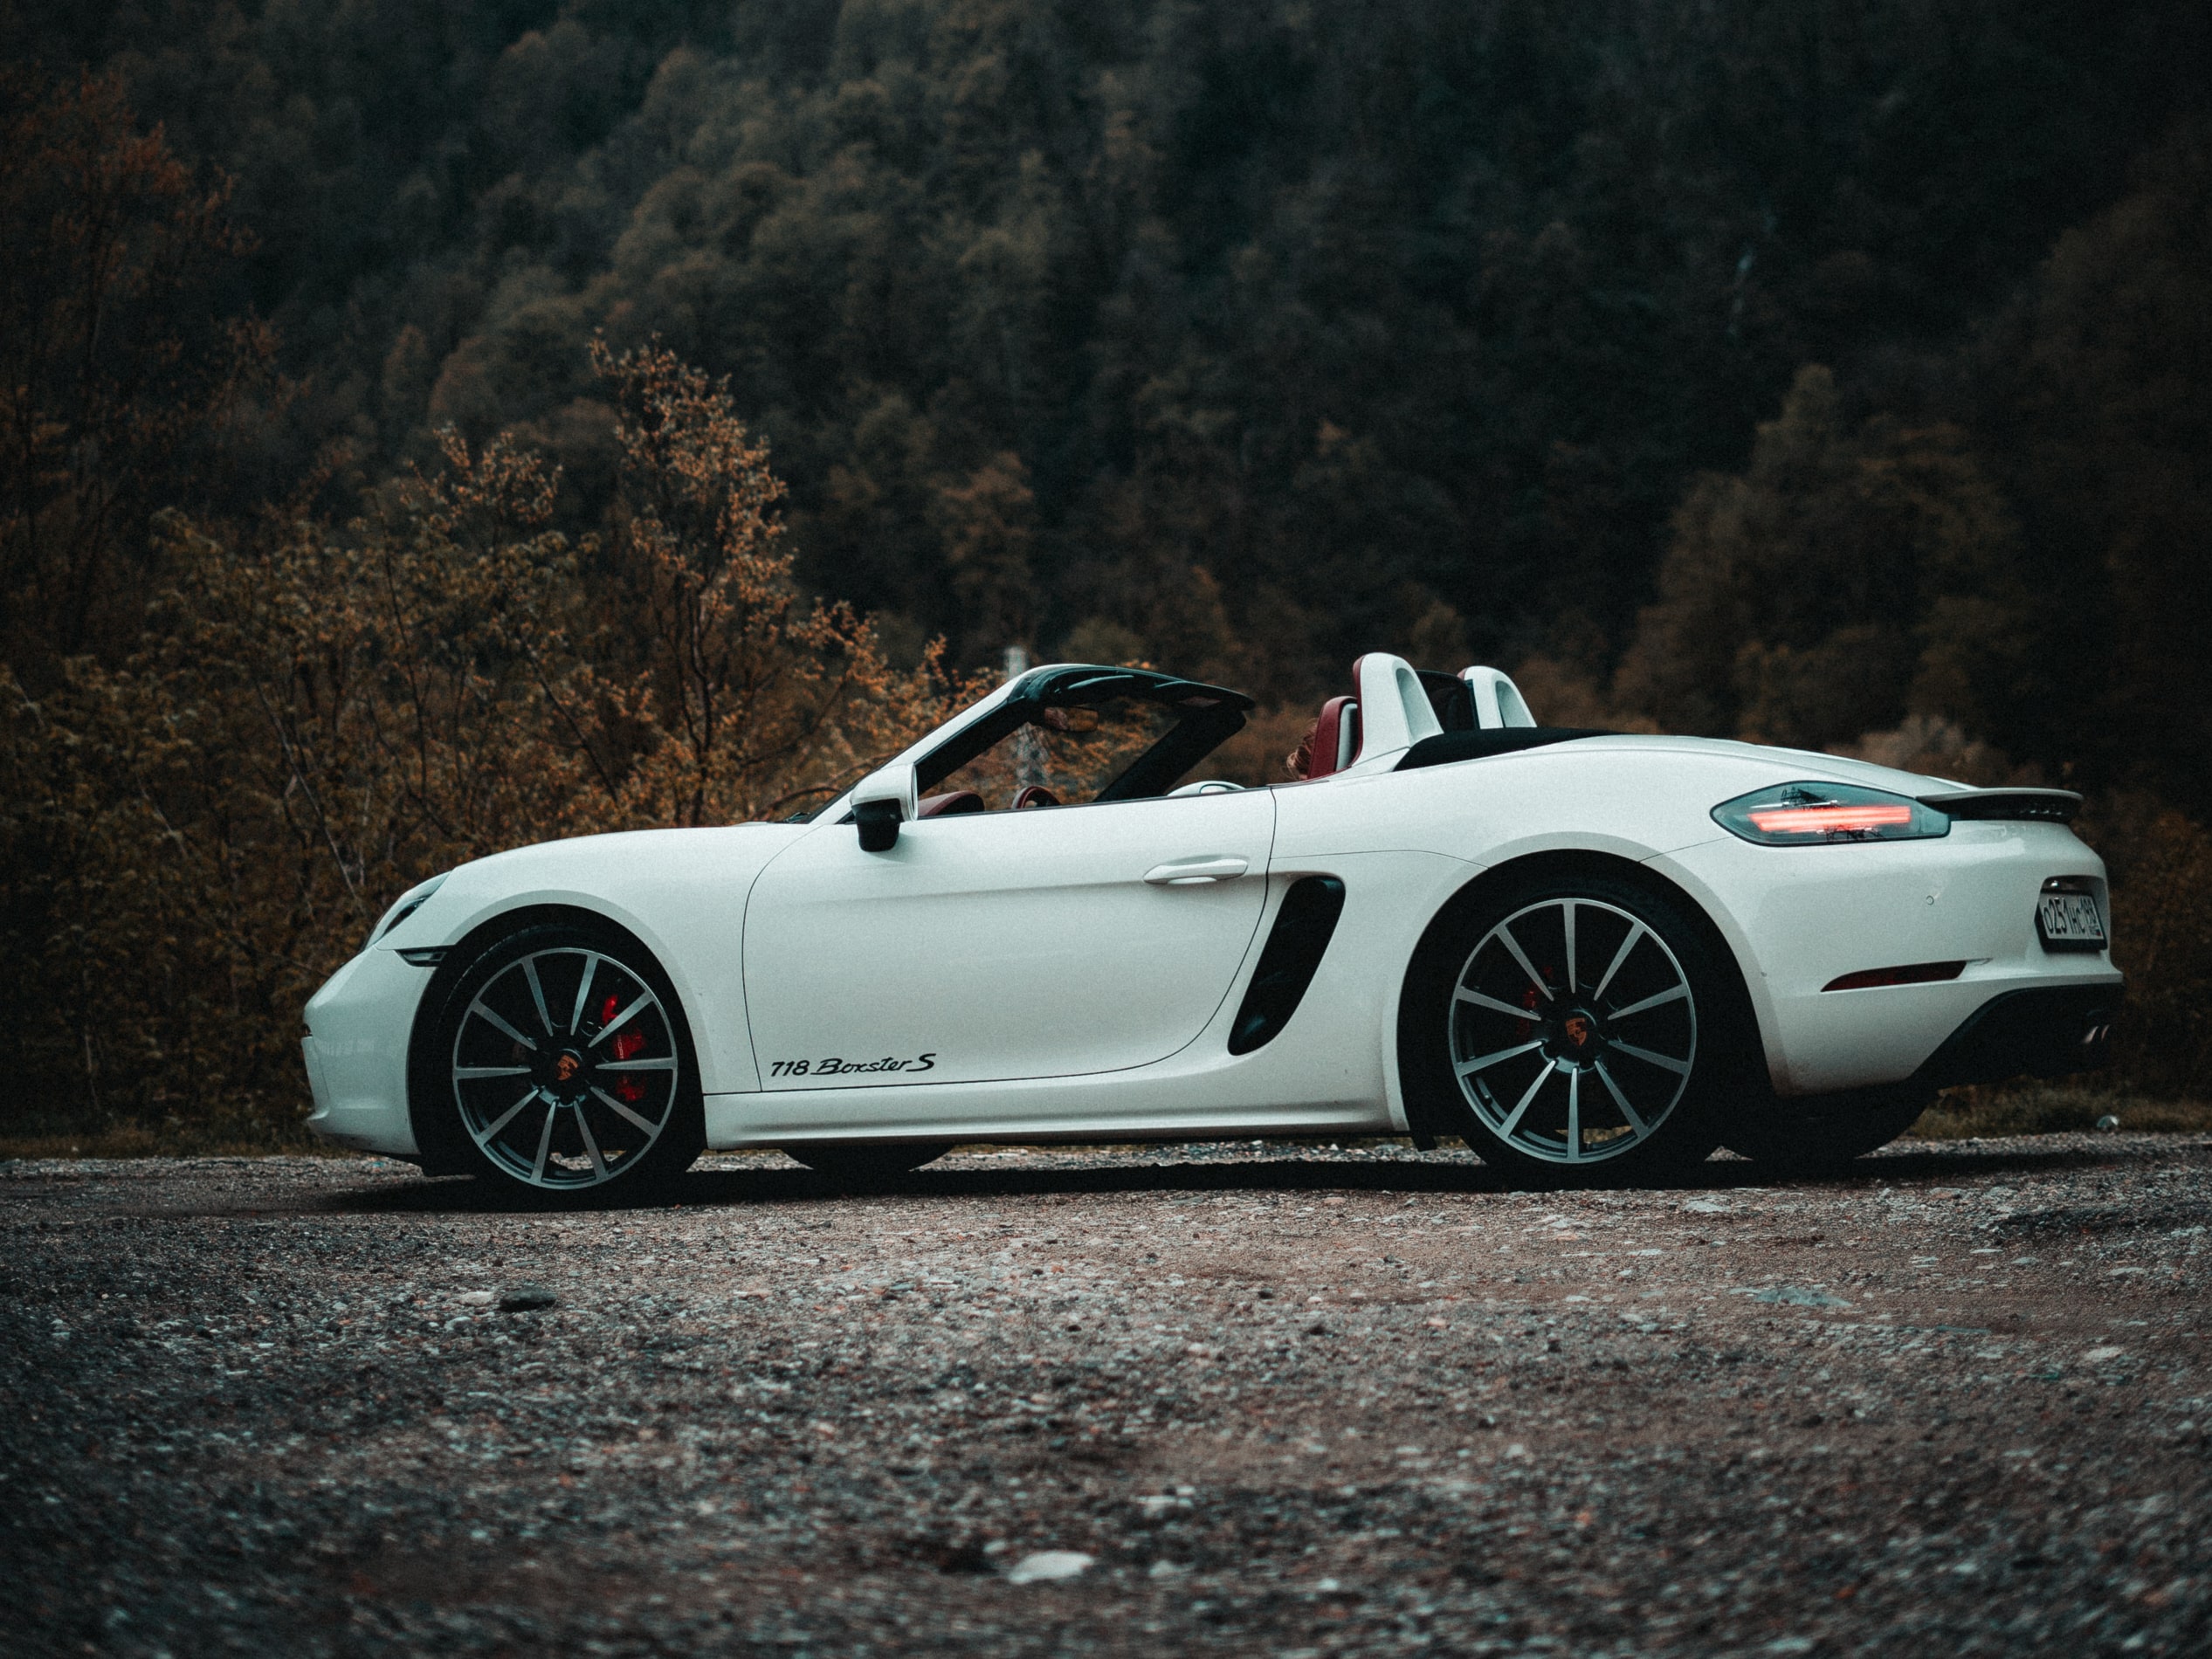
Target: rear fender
x=1427, y=1118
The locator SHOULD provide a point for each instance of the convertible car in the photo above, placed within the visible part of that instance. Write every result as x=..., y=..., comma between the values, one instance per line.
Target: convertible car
x=1591, y=956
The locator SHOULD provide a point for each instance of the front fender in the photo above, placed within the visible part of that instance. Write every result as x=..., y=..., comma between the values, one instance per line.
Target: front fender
x=681, y=893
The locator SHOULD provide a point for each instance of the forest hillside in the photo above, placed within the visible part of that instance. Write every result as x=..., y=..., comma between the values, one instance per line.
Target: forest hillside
x=428, y=422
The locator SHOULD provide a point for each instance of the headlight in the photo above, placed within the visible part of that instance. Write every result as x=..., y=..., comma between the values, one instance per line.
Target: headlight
x=406, y=905
x=1797, y=815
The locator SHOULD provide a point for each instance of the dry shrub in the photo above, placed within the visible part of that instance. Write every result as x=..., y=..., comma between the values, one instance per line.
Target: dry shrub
x=2027, y=1109
x=318, y=717
x=2160, y=863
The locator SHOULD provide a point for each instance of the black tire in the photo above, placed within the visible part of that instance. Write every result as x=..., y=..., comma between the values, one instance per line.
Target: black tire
x=1609, y=1062
x=1823, y=1134
x=866, y=1163
x=559, y=1067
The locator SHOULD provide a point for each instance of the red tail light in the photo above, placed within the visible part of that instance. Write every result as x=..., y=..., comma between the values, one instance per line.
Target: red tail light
x=1828, y=821
x=1811, y=815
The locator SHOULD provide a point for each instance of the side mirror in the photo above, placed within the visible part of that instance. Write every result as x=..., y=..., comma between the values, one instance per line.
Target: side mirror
x=882, y=801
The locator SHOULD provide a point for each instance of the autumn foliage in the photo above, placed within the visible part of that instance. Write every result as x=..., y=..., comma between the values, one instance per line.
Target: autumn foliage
x=318, y=716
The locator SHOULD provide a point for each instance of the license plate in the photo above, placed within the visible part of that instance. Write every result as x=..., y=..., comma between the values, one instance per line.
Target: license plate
x=2069, y=922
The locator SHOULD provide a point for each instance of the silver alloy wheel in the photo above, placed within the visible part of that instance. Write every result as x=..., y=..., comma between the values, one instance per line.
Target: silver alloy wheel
x=1574, y=1030
x=565, y=1068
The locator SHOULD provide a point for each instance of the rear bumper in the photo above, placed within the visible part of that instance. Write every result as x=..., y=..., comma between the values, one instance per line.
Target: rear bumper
x=1802, y=917
x=2046, y=1031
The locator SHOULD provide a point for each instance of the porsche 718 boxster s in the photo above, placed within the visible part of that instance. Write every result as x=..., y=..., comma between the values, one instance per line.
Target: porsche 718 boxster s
x=1592, y=956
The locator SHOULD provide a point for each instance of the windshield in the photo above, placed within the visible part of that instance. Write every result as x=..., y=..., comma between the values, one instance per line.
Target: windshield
x=1074, y=734
x=1074, y=755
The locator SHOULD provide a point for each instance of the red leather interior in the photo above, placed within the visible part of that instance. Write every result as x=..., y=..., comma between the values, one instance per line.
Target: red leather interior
x=952, y=805
x=1033, y=794
x=1335, y=742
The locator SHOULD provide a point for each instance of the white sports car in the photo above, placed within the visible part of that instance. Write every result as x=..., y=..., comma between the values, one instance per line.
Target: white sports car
x=1591, y=955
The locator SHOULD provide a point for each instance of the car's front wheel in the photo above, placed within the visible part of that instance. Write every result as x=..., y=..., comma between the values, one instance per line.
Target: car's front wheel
x=559, y=1064
x=1575, y=1029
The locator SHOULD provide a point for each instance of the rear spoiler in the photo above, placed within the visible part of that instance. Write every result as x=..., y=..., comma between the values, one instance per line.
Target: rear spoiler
x=2045, y=805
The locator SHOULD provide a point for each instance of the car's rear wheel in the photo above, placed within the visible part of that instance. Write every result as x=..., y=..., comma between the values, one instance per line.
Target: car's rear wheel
x=860, y=1163
x=561, y=1066
x=1577, y=1029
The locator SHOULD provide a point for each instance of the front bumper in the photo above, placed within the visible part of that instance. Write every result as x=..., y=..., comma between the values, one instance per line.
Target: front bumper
x=358, y=1027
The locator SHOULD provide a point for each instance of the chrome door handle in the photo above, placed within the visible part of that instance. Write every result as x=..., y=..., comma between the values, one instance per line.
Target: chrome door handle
x=1191, y=872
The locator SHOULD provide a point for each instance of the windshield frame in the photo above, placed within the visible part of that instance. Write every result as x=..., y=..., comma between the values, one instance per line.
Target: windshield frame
x=1209, y=716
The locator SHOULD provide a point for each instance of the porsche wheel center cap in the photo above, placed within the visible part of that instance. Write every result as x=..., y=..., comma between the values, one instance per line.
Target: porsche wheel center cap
x=1576, y=1036
x=565, y=1072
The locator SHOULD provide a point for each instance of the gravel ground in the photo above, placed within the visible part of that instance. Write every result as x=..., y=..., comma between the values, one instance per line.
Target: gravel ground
x=1284, y=1400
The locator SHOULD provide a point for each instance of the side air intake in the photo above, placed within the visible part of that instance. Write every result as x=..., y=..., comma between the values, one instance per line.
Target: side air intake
x=1302, y=930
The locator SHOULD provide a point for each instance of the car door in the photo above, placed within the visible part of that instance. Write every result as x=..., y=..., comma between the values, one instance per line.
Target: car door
x=1050, y=942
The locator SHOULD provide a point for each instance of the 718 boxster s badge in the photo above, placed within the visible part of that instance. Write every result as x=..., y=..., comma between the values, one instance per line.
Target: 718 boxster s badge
x=1591, y=955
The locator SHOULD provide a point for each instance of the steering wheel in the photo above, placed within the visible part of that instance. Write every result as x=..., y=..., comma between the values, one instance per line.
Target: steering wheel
x=1033, y=794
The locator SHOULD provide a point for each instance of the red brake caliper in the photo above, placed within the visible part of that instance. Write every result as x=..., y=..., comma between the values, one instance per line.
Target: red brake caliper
x=628, y=1090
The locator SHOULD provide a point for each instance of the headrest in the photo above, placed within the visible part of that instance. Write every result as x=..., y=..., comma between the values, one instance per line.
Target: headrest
x=1333, y=743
